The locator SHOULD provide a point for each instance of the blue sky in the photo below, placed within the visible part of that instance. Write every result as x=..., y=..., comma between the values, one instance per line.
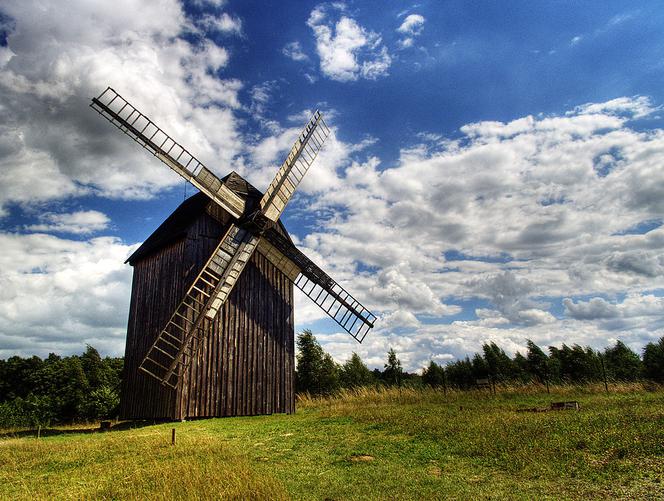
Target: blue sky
x=495, y=172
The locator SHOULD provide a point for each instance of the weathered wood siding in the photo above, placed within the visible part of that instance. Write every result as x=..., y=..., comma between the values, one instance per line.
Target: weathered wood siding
x=154, y=295
x=245, y=365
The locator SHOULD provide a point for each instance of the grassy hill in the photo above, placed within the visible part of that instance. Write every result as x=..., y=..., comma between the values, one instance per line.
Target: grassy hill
x=372, y=445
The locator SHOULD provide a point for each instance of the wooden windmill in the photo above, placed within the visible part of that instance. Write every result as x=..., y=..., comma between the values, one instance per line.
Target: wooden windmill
x=196, y=345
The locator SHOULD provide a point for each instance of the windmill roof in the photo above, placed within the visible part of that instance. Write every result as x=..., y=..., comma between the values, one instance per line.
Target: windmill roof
x=176, y=225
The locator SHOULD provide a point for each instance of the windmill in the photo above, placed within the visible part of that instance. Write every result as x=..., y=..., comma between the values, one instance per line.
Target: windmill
x=250, y=224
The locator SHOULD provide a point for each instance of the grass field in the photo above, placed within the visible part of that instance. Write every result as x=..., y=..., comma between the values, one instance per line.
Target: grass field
x=372, y=445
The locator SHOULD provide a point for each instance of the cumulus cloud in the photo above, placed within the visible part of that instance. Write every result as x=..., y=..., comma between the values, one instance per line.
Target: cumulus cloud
x=635, y=312
x=54, y=147
x=525, y=208
x=347, y=51
x=77, y=223
x=58, y=294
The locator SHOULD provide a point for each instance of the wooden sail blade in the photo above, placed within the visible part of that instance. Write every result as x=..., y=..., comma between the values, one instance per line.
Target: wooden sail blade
x=331, y=297
x=296, y=165
x=279, y=260
x=141, y=129
x=177, y=343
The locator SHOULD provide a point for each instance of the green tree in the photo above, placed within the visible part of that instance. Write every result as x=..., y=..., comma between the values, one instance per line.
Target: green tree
x=622, y=364
x=537, y=362
x=316, y=373
x=499, y=365
x=434, y=375
x=520, y=365
x=393, y=371
x=460, y=373
x=653, y=361
x=480, y=369
x=355, y=373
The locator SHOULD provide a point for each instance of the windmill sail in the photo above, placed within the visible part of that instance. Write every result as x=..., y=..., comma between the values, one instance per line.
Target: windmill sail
x=178, y=341
x=141, y=129
x=296, y=165
x=331, y=297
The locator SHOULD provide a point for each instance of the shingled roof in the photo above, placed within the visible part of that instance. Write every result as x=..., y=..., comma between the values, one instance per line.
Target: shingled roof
x=175, y=226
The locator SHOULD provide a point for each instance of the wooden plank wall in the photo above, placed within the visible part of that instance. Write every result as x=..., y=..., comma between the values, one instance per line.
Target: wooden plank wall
x=151, y=305
x=245, y=366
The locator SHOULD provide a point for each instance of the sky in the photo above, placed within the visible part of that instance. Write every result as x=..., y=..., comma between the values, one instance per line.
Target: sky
x=495, y=169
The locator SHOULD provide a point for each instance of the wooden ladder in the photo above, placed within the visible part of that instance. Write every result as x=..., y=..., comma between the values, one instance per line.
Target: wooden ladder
x=177, y=343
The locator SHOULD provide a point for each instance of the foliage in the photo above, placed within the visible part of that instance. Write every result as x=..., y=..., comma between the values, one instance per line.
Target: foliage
x=354, y=373
x=653, y=361
x=317, y=373
x=58, y=389
x=434, y=375
x=393, y=372
x=622, y=364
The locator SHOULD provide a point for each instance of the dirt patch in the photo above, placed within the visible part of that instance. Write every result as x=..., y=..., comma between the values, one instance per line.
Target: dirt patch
x=435, y=471
x=361, y=458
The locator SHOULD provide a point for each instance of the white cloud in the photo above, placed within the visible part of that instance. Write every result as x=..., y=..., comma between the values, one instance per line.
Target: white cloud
x=635, y=312
x=56, y=295
x=223, y=23
x=77, y=223
x=53, y=146
x=294, y=51
x=347, y=50
x=412, y=25
x=543, y=202
x=635, y=107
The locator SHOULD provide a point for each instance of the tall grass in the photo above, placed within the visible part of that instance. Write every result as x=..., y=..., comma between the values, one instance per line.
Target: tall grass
x=384, y=443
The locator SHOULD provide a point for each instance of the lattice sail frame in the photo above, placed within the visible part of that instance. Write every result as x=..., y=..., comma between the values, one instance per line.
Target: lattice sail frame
x=297, y=163
x=117, y=110
x=172, y=351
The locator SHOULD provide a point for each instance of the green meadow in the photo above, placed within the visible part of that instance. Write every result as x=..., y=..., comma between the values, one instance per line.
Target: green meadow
x=369, y=444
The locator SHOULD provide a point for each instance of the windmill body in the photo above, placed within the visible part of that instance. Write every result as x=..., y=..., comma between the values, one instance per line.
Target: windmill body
x=211, y=318
x=245, y=364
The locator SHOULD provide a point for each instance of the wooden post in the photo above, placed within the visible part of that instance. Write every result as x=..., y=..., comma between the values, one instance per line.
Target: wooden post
x=546, y=380
x=444, y=383
x=39, y=432
x=173, y=436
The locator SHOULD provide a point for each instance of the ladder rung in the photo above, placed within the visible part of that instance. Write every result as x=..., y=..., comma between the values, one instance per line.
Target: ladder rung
x=162, y=340
x=160, y=378
x=172, y=357
x=170, y=322
x=156, y=363
x=201, y=291
x=195, y=300
x=172, y=336
x=189, y=306
x=210, y=273
x=203, y=280
x=183, y=317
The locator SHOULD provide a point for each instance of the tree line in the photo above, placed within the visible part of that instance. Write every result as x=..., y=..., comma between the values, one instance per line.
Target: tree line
x=318, y=374
x=35, y=391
